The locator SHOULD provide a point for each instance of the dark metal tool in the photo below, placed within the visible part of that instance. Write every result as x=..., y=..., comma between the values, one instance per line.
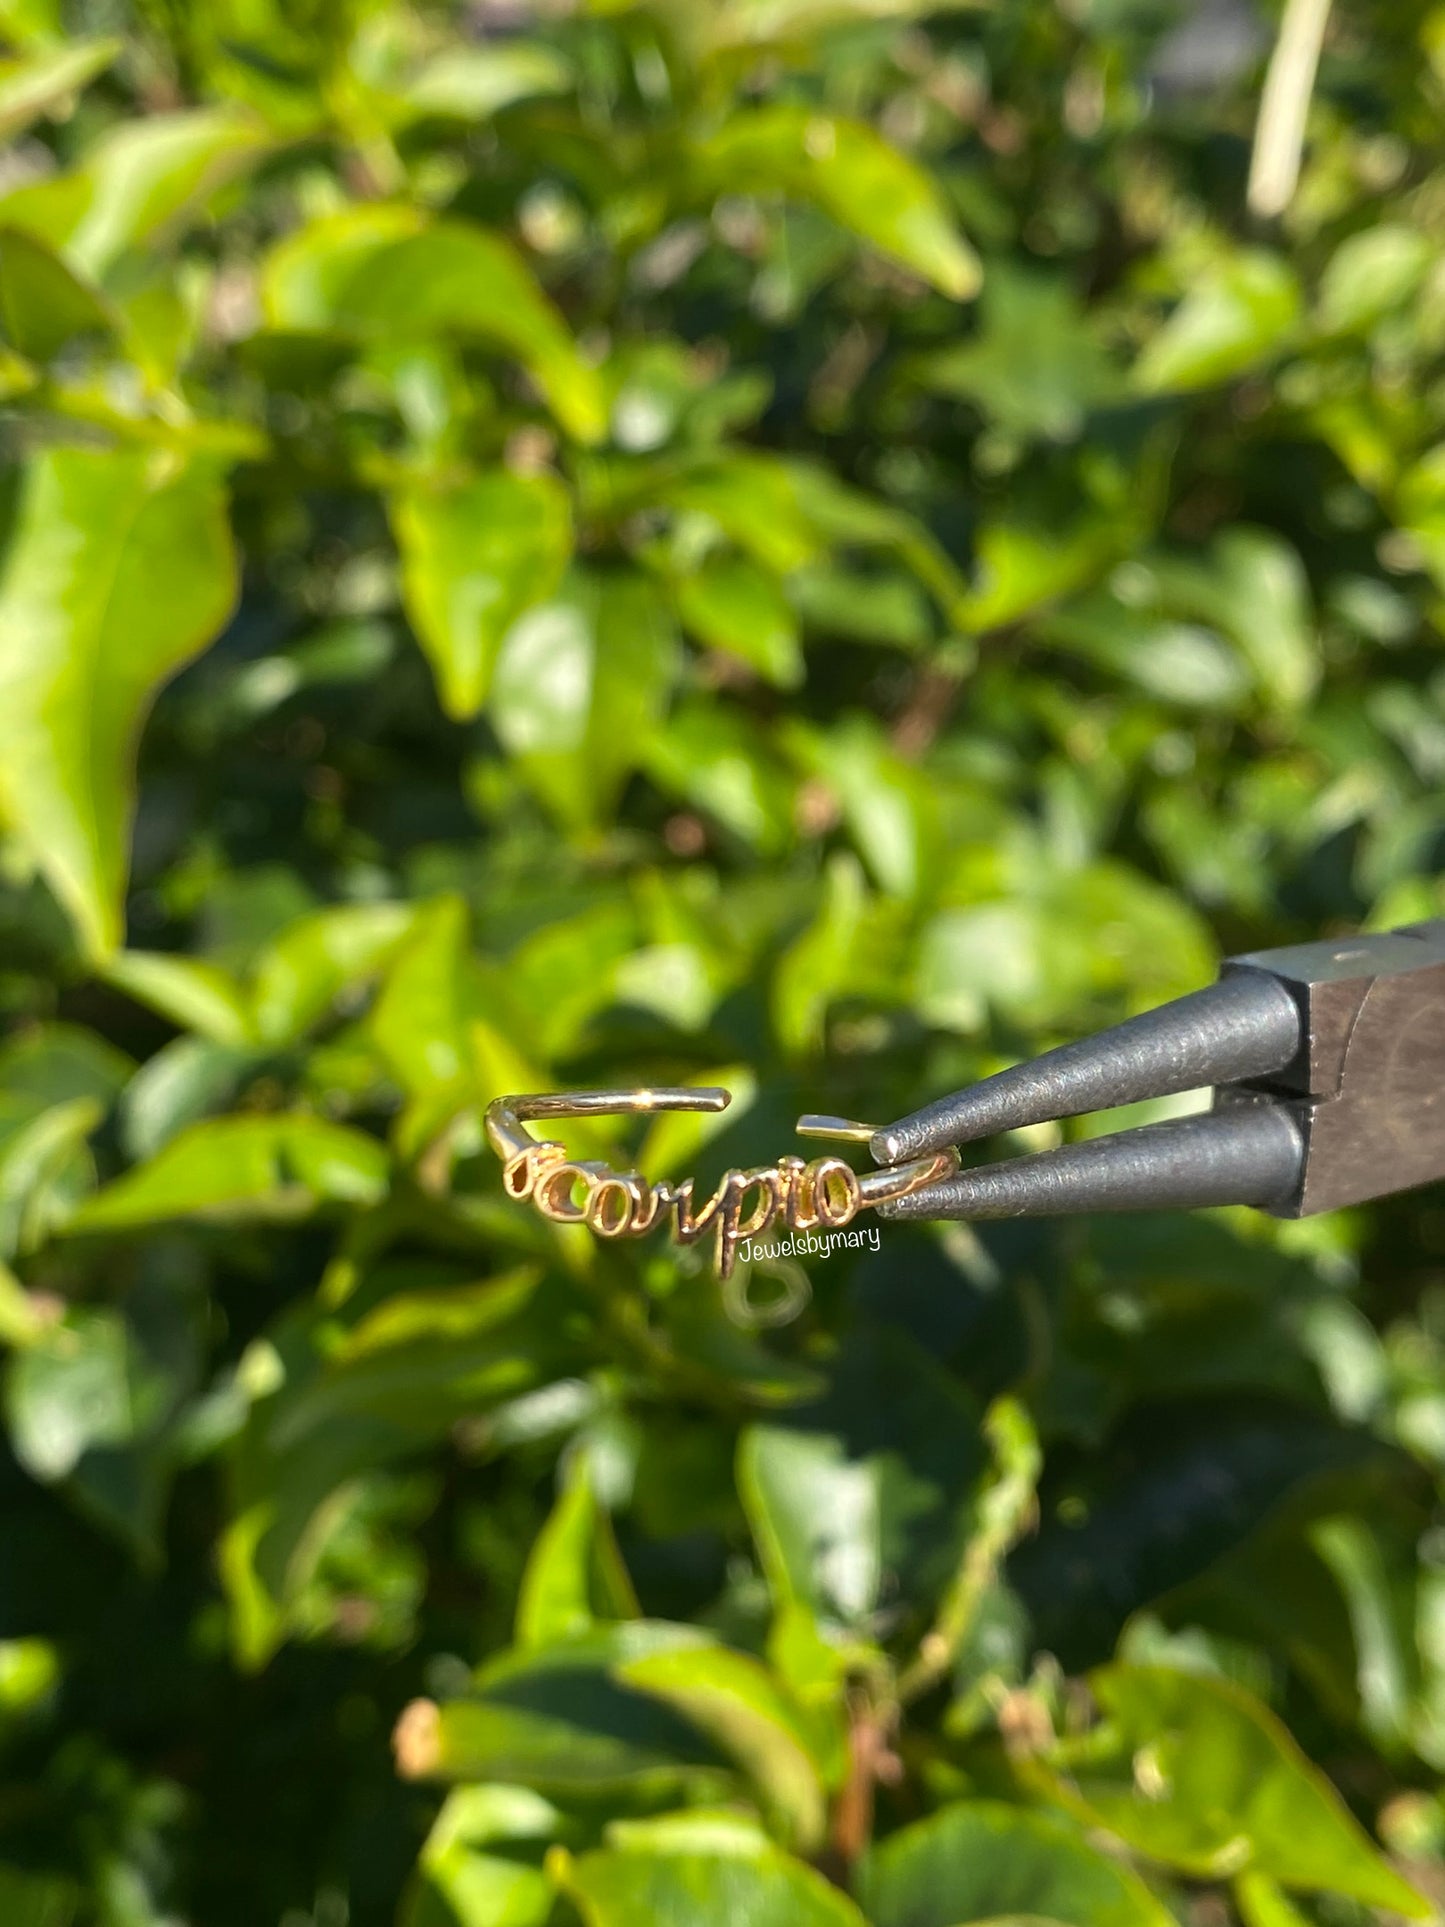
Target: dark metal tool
x=1328, y=1067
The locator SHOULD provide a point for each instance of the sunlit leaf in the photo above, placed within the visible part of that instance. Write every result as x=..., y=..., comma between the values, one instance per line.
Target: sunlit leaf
x=981, y=1860
x=1236, y=317
x=751, y=1716
x=733, y=605
x=575, y=1573
x=35, y=83
x=44, y=304
x=120, y=570
x=142, y=177
x=380, y=273
x=579, y=686
x=475, y=556
x=672, y=1883
x=191, y=992
x=243, y=1167
x=472, y=83
x=1194, y=1772
x=855, y=176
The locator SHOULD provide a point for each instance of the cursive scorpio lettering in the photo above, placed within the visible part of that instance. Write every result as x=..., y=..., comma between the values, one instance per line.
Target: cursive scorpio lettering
x=803, y=1193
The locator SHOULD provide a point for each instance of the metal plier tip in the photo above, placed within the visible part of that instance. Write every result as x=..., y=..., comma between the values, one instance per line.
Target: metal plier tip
x=1328, y=1066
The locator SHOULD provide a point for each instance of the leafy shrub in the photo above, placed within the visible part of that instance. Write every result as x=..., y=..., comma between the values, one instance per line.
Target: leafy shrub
x=804, y=544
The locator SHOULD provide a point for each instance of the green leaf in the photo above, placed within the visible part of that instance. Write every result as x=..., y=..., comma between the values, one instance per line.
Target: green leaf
x=465, y=1861
x=120, y=570
x=1034, y=367
x=715, y=760
x=872, y=1480
x=75, y=1390
x=815, y=1515
x=885, y=801
x=981, y=1860
x=1262, y=1903
x=39, y=1178
x=476, y=555
x=850, y=172
x=37, y=82
x=819, y=963
x=730, y=23
x=243, y=1167
x=750, y=1714
x=332, y=1406
x=317, y=959
x=92, y=1399
x=1369, y=275
x=733, y=605
x=419, y=1022
x=1020, y=568
x=574, y=1574
x=579, y=687
x=1237, y=316
x=191, y=992
x=558, y=1718
x=1252, y=585
x=1196, y=1773
x=751, y=497
x=44, y=305
x=377, y=273
x=474, y=82
x=186, y=1080
x=1182, y=663
x=144, y=176
x=670, y=1883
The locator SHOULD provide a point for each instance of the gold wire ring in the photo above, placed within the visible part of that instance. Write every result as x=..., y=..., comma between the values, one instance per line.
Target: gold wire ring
x=623, y=1204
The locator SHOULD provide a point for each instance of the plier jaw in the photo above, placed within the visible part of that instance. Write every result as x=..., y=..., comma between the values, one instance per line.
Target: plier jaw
x=1328, y=1066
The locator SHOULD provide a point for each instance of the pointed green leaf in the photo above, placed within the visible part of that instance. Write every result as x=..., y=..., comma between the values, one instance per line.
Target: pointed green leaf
x=854, y=175
x=579, y=686
x=145, y=175
x=465, y=1861
x=120, y=570
x=815, y=1515
x=672, y=1882
x=1369, y=275
x=43, y=1166
x=44, y=305
x=302, y=972
x=734, y=605
x=979, y=1860
x=737, y=1702
x=190, y=991
x=39, y=81
x=574, y=1574
x=817, y=964
x=474, y=82
x=1196, y=1773
x=475, y=555
x=1232, y=319
x=243, y=1167
x=559, y=1719
x=377, y=273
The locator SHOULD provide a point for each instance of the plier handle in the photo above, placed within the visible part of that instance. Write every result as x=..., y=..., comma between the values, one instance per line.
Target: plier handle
x=1328, y=1066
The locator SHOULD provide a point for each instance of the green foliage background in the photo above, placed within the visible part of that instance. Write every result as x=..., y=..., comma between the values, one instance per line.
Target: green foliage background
x=804, y=544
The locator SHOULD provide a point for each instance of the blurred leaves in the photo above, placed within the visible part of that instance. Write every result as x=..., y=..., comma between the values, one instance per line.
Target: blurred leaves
x=121, y=568
x=525, y=565
x=1200, y=1776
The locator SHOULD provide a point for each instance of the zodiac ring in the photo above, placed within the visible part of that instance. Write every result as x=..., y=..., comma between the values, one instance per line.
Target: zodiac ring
x=805, y=1194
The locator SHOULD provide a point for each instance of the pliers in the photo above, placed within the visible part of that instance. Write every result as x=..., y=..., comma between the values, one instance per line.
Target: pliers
x=1328, y=1066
